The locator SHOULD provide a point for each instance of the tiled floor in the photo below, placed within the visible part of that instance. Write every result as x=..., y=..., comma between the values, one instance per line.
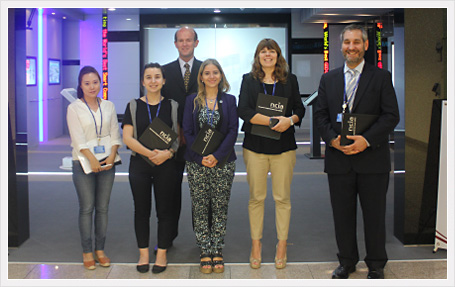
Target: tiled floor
x=294, y=272
x=411, y=269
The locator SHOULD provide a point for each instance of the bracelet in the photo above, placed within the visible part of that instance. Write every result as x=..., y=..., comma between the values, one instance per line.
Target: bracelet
x=292, y=121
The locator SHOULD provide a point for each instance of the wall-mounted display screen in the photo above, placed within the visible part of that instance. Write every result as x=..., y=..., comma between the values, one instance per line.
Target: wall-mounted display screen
x=54, y=72
x=30, y=69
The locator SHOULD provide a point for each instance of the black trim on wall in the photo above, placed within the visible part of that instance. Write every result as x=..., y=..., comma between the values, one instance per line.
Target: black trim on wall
x=18, y=197
x=428, y=207
x=123, y=36
x=370, y=54
x=307, y=46
x=265, y=19
x=399, y=193
x=71, y=62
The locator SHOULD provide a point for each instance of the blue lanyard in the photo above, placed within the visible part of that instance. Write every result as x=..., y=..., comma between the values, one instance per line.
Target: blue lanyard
x=345, y=101
x=148, y=108
x=273, y=91
x=96, y=128
x=208, y=111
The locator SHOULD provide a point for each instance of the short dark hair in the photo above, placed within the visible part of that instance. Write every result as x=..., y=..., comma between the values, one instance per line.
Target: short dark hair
x=194, y=31
x=152, y=65
x=85, y=70
x=354, y=27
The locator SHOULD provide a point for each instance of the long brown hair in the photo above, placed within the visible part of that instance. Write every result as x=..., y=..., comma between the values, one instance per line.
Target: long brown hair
x=281, y=68
x=223, y=86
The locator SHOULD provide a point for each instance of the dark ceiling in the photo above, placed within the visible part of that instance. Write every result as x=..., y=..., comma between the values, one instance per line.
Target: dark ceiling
x=306, y=15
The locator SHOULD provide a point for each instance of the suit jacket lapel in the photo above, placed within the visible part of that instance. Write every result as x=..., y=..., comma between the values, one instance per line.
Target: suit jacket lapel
x=339, y=88
x=365, y=78
x=178, y=74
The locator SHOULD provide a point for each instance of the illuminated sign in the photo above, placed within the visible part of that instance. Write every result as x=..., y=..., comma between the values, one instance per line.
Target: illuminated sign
x=105, y=55
x=326, y=47
x=379, y=45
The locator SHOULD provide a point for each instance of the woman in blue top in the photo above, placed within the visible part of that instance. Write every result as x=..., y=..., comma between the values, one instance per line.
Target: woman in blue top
x=210, y=179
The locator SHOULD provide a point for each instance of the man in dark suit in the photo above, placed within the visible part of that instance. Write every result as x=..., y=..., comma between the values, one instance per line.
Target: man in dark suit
x=181, y=76
x=361, y=168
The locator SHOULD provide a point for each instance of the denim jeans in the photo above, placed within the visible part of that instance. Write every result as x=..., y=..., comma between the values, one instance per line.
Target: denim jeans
x=94, y=192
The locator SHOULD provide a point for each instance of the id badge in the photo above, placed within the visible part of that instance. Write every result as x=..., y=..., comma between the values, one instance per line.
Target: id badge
x=99, y=149
x=339, y=117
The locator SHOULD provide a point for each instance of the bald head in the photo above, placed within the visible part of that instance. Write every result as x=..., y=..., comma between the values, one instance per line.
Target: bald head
x=181, y=30
x=185, y=40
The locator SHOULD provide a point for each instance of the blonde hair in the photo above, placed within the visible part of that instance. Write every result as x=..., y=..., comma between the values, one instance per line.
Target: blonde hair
x=223, y=86
x=281, y=68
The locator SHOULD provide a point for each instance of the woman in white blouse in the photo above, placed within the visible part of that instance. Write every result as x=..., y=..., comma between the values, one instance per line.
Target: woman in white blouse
x=94, y=130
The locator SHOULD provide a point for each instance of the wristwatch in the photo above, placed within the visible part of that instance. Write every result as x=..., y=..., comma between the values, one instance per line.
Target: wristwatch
x=172, y=153
x=292, y=121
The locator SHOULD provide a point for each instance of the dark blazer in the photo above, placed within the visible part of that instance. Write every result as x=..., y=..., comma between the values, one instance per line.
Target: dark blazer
x=174, y=87
x=375, y=96
x=229, y=127
x=249, y=95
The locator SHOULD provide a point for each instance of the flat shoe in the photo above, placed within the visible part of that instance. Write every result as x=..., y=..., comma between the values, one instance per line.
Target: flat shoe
x=89, y=265
x=103, y=261
x=158, y=269
x=343, y=271
x=143, y=268
x=376, y=274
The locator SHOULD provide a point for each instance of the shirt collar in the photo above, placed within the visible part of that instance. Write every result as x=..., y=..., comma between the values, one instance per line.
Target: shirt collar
x=359, y=67
x=182, y=63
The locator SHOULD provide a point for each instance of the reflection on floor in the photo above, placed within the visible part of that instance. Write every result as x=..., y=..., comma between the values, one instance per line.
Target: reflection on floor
x=399, y=269
x=411, y=268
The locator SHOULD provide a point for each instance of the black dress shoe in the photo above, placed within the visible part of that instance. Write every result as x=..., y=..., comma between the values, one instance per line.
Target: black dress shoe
x=158, y=269
x=143, y=268
x=376, y=274
x=342, y=272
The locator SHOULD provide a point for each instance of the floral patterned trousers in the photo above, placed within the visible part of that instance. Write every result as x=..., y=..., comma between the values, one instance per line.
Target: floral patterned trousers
x=210, y=190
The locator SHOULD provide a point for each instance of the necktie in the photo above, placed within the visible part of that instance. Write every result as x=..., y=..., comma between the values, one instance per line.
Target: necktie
x=186, y=77
x=350, y=88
